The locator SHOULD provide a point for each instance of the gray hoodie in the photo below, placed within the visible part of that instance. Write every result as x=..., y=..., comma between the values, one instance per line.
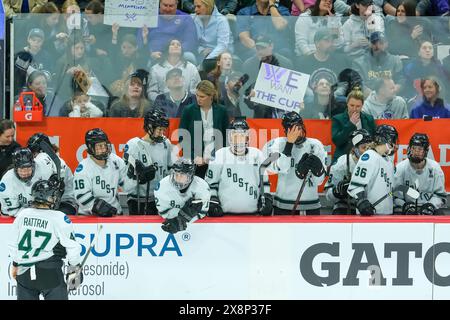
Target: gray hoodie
x=395, y=109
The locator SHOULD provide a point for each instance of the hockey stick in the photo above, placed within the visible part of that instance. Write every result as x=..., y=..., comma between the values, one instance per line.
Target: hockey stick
x=75, y=281
x=51, y=153
x=402, y=188
x=132, y=161
x=297, y=201
x=262, y=168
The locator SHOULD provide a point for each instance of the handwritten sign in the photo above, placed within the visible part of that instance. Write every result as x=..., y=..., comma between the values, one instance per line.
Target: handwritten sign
x=132, y=13
x=280, y=88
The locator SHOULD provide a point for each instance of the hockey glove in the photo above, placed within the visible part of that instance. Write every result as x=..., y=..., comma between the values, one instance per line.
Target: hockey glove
x=215, y=210
x=266, y=209
x=301, y=169
x=428, y=209
x=365, y=207
x=340, y=191
x=174, y=225
x=191, y=209
x=102, y=208
x=74, y=277
x=145, y=173
x=315, y=165
x=409, y=208
x=59, y=250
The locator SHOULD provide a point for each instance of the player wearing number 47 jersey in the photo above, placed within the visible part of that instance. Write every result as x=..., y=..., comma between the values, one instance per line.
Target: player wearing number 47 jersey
x=41, y=237
x=149, y=159
x=97, y=178
x=15, y=186
x=373, y=176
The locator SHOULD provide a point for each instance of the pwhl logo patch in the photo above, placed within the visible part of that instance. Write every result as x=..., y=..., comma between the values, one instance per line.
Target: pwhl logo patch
x=404, y=253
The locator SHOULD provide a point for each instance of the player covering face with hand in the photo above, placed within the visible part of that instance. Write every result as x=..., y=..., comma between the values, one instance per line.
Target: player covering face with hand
x=181, y=197
x=423, y=174
x=373, y=175
x=235, y=176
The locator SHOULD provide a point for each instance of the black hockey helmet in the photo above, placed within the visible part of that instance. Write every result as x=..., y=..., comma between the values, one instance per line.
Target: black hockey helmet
x=420, y=140
x=23, y=158
x=291, y=119
x=238, y=125
x=34, y=142
x=386, y=134
x=47, y=193
x=93, y=137
x=153, y=119
x=182, y=173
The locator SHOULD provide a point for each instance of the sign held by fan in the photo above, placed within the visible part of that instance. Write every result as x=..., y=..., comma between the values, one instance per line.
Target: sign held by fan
x=132, y=13
x=81, y=81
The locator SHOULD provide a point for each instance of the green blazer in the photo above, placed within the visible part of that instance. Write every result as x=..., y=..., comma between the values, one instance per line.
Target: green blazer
x=191, y=115
x=341, y=128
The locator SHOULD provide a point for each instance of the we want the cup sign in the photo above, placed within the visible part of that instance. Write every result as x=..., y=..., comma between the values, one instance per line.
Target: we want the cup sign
x=280, y=88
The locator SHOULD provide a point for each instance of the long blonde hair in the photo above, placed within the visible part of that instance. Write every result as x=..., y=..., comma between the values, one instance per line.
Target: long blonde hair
x=208, y=88
x=209, y=4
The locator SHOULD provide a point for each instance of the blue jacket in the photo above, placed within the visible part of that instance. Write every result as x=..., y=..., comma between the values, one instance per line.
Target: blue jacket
x=424, y=108
x=216, y=35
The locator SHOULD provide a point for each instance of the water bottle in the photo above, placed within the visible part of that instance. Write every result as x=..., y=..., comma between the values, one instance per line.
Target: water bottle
x=28, y=105
x=17, y=106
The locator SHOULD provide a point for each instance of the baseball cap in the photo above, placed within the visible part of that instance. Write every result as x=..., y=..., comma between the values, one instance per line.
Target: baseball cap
x=365, y=3
x=376, y=36
x=140, y=74
x=36, y=32
x=173, y=72
x=322, y=34
x=263, y=41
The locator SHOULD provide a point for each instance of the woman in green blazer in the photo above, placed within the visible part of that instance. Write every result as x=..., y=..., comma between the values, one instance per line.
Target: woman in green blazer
x=345, y=123
x=203, y=127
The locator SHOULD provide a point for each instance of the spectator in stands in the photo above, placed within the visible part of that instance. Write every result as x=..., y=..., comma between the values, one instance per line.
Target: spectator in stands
x=433, y=7
x=321, y=16
x=127, y=59
x=177, y=98
x=432, y=105
x=324, y=56
x=99, y=32
x=253, y=21
x=206, y=120
x=406, y=31
x=379, y=63
x=300, y=6
x=231, y=97
x=37, y=82
x=75, y=59
x=13, y=7
x=172, y=58
x=382, y=102
x=219, y=75
x=355, y=29
x=41, y=58
x=50, y=26
x=323, y=105
x=133, y=103
x=423, y=66
x=213, y=32
x=264, y=53
x=7, y=145
x=81, y=106
x=224, y=6
x=172, y=23
x=345, y=123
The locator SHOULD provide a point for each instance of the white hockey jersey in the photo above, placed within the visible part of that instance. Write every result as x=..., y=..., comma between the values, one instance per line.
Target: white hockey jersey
x=16, y=194
x=169, y=200
x=288, y=184
x=429, y=181
x=35, y=232
x=162, y=155
x=374, y=175
x=236, y=180
x=338, y=172
x=66, y=173
x=93, y=181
